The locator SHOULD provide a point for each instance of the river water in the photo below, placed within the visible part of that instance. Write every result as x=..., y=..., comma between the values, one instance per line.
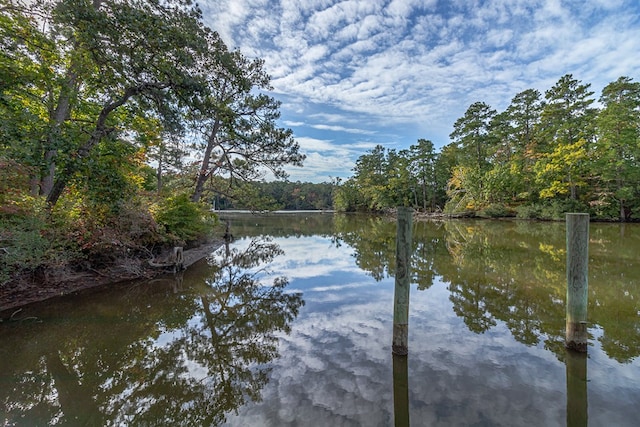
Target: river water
x=291, y=325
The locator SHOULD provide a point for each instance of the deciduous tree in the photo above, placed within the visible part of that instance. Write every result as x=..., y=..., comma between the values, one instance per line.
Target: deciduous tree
x=567, y=121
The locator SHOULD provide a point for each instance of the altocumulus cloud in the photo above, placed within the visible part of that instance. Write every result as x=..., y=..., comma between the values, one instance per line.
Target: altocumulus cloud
x=391, y=71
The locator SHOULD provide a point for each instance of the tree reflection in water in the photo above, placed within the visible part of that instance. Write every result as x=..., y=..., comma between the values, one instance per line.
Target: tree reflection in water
x=513, y=272
x=162, y=359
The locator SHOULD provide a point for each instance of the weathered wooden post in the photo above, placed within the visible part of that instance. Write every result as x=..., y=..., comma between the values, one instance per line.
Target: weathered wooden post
x=577, y=401
x=178, y=258
x=577, y=280
x=403, y=279
x=400, y=391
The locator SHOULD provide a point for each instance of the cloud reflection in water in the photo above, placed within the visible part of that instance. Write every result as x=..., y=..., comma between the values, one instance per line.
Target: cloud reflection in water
x=335, y=366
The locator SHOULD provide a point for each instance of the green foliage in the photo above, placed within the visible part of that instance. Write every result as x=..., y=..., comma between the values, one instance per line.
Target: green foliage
x=275, y=195
x=618, y=147
x=348, y=198
x=567, y=115
x=563, y=170
x=111, y=175
x=464, y=190
x=553, y=210
x=386, y=178
x=472, y=133
x=252, y=197
x=529, y=212
x=496, y=210
x=538, y=158
x=184, y=220
x=33, y=238
x=236, y=125
x=24, y=246
x=92, y=91
x=557, y=209
x=103, y=234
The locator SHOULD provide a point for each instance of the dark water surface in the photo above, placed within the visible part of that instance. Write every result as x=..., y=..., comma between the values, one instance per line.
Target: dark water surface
x=291, y=326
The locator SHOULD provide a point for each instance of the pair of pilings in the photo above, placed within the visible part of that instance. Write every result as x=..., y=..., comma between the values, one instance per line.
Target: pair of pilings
x=577, y=234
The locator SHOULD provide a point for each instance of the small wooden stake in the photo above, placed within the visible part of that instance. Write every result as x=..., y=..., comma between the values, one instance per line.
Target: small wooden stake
x=403, y=278
x=577, y=280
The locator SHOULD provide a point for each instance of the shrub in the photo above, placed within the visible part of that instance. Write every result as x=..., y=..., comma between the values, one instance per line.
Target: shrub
x=22, y=237
x=528, y=212
x=496, y=210
x=184, y=220
x=556, y=209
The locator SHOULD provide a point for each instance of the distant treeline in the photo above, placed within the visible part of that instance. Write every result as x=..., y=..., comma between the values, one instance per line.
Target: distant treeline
x=539, y=158
x=280, y=195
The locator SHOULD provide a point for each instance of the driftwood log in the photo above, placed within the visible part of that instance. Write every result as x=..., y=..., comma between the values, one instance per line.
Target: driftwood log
x=173, y=260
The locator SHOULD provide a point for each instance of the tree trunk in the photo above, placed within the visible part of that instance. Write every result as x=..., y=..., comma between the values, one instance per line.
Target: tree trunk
x=62, y=112
x=99, y=131
x=46, y=184
x=59, y=116
x=204, y=168
x=159, y=174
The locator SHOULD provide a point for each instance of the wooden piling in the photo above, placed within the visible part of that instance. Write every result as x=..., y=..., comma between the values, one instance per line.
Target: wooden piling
x=577, y=280
x=402, y=282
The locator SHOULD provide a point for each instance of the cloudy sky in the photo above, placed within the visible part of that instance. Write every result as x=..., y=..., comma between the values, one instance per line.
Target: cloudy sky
x=352, y=74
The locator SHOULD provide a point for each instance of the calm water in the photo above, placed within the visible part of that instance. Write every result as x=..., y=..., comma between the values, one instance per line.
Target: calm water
x=291, y=326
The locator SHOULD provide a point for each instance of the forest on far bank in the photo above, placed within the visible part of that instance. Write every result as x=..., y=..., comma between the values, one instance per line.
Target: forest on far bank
x=280, y=195
x=541, y=157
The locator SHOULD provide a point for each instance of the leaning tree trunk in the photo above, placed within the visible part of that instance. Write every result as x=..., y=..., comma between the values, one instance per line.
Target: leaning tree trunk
x=204, y=172
x=83, y=152
x=62, y=111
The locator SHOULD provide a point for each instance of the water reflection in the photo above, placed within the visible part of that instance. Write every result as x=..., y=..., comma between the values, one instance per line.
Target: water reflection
x=486, y=336
x=401, y=391
x=161, y=354
x=577, y=406
x=514, y=273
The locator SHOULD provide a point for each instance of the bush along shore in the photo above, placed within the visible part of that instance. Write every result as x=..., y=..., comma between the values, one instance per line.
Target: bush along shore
x=111, y=156
x=32, y=287
x=49, y=252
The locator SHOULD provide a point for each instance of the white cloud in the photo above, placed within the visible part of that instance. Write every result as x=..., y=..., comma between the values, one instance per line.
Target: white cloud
x=411, y=66
x=292, y=123
x=343, y=129
x=321, y=167
x=312, y=144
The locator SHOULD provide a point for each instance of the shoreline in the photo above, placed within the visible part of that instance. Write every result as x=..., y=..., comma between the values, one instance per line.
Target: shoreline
x=28, y=289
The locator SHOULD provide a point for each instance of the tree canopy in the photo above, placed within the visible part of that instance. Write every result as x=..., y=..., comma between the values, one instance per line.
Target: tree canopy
x=540, y=157
x=82, y=77
x=105, y=101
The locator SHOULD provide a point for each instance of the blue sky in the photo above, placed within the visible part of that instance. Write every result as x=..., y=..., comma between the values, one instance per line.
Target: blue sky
x=352, y=74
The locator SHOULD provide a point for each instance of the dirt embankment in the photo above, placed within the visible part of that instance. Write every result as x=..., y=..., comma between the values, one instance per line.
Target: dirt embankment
x=32, y=288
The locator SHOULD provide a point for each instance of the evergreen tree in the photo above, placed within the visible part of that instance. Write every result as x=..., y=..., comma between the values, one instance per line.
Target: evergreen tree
x=618, y=146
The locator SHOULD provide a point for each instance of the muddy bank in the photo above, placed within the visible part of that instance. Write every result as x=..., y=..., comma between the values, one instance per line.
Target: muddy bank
x=31, y=288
